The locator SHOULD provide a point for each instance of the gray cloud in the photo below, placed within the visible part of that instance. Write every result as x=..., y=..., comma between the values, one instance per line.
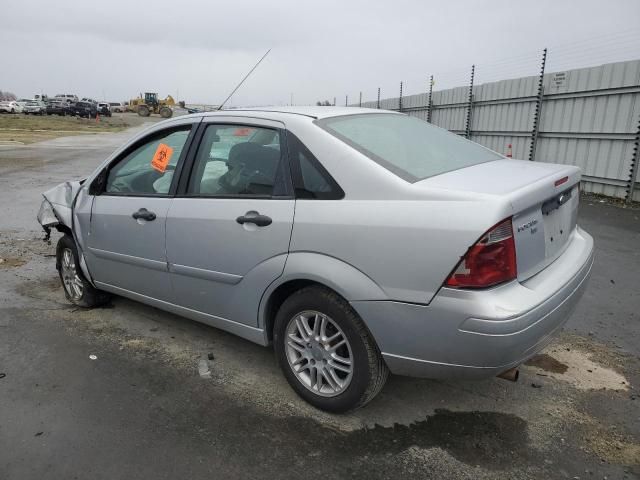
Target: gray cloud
x=118, y=48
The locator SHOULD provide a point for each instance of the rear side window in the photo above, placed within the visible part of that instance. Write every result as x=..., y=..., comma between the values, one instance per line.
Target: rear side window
x=408, y=147
x=310, y=179
x=236, y=160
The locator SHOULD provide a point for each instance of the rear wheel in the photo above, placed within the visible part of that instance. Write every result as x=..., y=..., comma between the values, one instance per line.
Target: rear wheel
x=325, y=351
x=76, y=287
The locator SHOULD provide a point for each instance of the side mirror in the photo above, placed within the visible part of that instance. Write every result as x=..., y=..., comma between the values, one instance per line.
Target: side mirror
x=99, y=183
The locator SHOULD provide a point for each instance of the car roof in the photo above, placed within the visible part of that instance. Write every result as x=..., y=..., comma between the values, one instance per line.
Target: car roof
x=315, y=112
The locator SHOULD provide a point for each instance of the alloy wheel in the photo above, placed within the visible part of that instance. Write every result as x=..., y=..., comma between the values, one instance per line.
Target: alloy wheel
x=70, y=279
x=319, y=353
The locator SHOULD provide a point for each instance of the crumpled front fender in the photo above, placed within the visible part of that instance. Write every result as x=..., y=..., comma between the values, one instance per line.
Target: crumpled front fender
x=56, y=211
x=57, y=206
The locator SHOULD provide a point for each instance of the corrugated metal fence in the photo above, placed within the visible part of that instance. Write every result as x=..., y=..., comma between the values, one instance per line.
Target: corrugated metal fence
x=589, y=117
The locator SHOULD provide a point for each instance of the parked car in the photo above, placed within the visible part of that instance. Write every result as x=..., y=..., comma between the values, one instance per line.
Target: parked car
x=66, y=97
x=35, y=108
x=412, y=250
x=104, y=109
x=58, y=108
x=117, y=107
x=10, y=107
x=89, y=100
x=85, y=109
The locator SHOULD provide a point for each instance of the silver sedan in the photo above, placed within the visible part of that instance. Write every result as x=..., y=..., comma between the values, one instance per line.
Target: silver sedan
x=356, y=242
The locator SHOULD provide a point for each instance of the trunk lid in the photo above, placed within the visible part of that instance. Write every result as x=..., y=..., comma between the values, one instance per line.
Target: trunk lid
x=544, y=200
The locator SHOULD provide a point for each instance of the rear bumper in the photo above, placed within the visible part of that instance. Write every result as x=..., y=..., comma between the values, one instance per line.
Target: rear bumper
x=471, y=334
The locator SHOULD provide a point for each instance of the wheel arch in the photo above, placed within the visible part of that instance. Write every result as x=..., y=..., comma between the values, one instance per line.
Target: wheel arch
x=304, y=269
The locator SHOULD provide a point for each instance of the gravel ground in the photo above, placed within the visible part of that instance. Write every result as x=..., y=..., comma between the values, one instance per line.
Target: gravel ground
x=141, y=409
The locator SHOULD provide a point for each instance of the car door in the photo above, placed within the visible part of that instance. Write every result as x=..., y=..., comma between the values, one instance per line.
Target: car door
x=126, y=241
x=228, y=231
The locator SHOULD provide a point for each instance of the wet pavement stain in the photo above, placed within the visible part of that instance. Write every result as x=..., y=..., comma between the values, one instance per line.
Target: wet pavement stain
x=491, y=439
x=41, y=289
x=547, y=363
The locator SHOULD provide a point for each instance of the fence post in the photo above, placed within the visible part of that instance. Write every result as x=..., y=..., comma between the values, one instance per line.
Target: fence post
x=400, y=99
x=430, y=104
x=378, y=103
x=633, y=171
x=334, y=101
x=467, y=129
x=537, y=112
x=360, y=102
x=346, y=100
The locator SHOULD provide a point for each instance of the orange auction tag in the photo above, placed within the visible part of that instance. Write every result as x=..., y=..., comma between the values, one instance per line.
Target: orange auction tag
x=161, y=157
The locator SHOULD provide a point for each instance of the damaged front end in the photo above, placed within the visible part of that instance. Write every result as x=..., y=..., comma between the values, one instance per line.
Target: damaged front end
x=56, y=210
x=67, y=208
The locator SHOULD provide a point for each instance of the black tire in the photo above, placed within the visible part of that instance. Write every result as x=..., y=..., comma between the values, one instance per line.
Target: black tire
x=143, y=111
x=369, y=370
x=90, y=296
x=166, y=112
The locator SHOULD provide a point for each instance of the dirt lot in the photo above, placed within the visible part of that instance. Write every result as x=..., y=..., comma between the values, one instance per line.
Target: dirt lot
x=141, y=409
x=24, y=129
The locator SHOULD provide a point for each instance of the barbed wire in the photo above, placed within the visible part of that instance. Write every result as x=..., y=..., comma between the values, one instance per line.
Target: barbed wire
x=595, y=50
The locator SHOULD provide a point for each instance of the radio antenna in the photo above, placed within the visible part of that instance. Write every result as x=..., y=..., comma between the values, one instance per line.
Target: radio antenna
x=242, y=81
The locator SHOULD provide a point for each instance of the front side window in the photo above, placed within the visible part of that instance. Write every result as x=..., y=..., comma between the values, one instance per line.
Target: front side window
x=237, y=160
x=408, y=147
x=149, y=168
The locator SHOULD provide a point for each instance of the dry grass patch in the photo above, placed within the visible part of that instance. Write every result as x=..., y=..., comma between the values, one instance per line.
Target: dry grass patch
x=22, y=129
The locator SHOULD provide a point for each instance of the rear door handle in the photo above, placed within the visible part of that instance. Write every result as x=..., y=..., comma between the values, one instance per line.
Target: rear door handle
x=144, y=214
x=255, y=218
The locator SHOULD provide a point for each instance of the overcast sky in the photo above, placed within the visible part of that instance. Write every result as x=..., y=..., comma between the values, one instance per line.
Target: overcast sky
x=114, y=49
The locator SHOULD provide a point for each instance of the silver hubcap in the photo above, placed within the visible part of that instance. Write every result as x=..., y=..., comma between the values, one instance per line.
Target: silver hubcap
x=70, y=279
x=319, y=353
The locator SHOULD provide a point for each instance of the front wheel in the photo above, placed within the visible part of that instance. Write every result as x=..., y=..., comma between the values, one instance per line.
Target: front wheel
x=325, y=351
x=76, y=287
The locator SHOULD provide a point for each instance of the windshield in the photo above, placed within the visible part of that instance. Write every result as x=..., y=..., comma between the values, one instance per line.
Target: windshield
x=406, y=146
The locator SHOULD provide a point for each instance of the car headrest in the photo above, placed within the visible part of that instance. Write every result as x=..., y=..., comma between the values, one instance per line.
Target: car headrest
x=254, y=157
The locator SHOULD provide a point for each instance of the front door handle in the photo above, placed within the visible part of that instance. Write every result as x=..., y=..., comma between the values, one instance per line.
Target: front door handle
x=144, y=214
x=255, y=218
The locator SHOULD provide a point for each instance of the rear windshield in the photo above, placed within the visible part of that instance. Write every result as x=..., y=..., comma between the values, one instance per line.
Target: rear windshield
x=406, y=146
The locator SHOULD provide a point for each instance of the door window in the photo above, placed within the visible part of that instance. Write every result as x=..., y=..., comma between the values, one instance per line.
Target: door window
x=237, y=160
x=149, y=169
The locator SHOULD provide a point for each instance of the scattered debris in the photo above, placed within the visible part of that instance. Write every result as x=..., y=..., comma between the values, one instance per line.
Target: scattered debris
x=536, y=385
x=210, y=356
x=38, y=434
x=93, y=357
x=2, y=375
x=203, y=368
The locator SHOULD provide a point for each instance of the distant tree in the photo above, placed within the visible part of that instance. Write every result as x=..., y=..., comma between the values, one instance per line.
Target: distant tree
x=7, y=96
x=325, y=103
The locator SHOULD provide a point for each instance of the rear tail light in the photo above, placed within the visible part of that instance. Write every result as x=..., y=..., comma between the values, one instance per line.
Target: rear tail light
x=492, y=260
